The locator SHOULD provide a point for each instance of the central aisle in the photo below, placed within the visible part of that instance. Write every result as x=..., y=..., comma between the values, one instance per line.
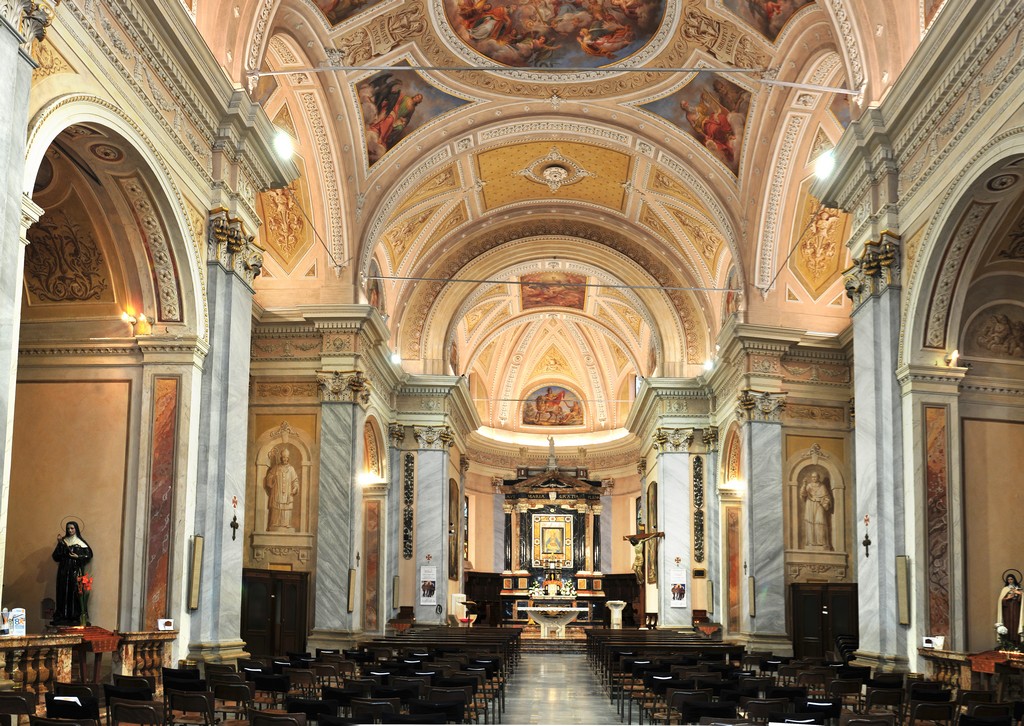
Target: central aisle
x=556, y=688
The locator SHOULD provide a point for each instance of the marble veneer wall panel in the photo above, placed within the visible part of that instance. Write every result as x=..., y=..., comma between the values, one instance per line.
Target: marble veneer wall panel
x=371, y=553
x=937, y=516
x=879, y=468
x=158, y=548
x=393, y=538
x=432, y=527
x=339, y=438
x=606, y=535
x=675, y=507
x=765, y=533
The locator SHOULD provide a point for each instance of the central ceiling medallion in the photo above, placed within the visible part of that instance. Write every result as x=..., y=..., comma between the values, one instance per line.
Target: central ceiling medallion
x=555, y=170
x=555, y=33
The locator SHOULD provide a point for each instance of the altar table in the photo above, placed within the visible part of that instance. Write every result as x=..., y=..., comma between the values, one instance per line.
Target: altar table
x=553, y=618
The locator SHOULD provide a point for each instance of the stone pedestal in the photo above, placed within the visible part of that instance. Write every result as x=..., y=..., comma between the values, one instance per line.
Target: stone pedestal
x=615, y=607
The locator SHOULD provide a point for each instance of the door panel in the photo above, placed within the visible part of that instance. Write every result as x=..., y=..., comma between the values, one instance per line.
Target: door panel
x=273, y=612
x=819, y=613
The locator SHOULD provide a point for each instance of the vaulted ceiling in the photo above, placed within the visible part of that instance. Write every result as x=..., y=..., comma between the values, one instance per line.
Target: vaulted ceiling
x=557, y=197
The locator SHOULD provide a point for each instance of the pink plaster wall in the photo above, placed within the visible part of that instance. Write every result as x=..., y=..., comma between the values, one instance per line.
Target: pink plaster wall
x=68, y=460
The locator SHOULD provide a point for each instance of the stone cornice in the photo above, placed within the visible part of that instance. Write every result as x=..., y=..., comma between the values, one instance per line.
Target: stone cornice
x=918, y=379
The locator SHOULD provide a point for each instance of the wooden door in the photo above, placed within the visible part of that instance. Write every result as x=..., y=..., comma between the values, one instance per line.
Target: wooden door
x=820, y=612
x=273, y=612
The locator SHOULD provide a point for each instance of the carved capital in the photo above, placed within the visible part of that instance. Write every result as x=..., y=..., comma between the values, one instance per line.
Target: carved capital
x=463, y=463
x=710, y=438
x=343, y=387
x=760, y=406
x=229, y=246
x=437, y=438
x=673, y=440
x=30, y=18
x=875, y=271
x=641, y=467
x=396, y=434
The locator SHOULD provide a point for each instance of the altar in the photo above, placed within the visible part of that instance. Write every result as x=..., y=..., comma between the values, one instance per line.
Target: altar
x=553, y=618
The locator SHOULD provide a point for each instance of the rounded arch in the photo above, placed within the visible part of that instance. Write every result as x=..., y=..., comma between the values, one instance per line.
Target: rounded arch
x=942, y=268
x=66, y=111
x=732, y=461
x=374, y=451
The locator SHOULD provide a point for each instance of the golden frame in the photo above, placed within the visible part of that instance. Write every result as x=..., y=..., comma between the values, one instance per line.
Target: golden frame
x=196, y=580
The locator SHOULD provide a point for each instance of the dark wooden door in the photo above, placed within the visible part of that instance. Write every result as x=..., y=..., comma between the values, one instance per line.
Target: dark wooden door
x=273, y=612
x=820, y=612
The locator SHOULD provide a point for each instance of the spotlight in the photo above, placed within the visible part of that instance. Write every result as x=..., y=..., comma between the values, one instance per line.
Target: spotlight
x=824, y=165
x=283, y=146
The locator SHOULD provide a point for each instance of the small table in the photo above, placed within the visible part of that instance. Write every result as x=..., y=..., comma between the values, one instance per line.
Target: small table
x=95, y=640
x=553, y=618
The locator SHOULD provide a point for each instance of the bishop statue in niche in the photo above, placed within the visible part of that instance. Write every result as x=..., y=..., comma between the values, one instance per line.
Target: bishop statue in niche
x=818, y=505
x=282, y=486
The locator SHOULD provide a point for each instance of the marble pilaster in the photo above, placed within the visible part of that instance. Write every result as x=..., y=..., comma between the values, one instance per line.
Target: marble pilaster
x=714, y=546
x=933, y=493
x=675, y=505
x=501, y=522
x=340, y=500
x=762, y=442
x=878, y=443
x=431, y=545
x=17, y=213
x=233, y=263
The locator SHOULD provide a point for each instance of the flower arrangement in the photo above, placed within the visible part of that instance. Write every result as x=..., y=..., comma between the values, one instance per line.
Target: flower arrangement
x=84, y=590
x=564, y=588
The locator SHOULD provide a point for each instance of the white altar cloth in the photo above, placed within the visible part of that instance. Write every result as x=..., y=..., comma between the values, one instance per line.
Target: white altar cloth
x=553, y=618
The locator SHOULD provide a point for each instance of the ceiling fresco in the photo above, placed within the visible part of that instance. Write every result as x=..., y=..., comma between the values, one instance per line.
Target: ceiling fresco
x=561, y=196
x=555, y=33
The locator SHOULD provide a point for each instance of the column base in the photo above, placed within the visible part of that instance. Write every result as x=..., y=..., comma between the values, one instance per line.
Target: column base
x=775, y=643
x=881, y=662
x=217, y=652
x=331, y=639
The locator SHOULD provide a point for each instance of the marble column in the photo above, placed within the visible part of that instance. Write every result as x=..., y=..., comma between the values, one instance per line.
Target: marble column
x=714, y=547
x=339, y=506
x=232, y=266
x=396, y=436
x=432, y=515
x=879, y=447
x=596, y=538
x=506, y=514
x=675, y=505
x=761, y=434
x=20, y=25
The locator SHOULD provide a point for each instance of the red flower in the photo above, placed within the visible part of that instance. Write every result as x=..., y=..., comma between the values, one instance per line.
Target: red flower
x=84, y=584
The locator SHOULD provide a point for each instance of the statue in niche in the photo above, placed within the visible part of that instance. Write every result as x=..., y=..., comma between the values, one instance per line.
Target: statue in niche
x=282, y=486
x=818, y=505
x=1009, y=625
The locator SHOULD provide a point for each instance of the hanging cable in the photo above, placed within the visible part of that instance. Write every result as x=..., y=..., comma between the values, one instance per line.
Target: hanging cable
x=546, y=284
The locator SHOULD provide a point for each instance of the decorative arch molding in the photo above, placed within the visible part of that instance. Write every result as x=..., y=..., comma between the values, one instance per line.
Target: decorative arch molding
x=374, y=450
x=786, y=164
x=526, y=318
x=415, y=340
x=924, y=282
x=65, y=111
x=732, y=461
x=585, y=268
x=541, y=129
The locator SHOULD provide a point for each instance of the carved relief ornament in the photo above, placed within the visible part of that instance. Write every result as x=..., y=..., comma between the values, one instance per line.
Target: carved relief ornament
x=343, y=387
x=30, y=18
x=396, y=434
x=232, y=248
x=875, y=271
x=673, y=440
x=437, y=438
x=760, y=406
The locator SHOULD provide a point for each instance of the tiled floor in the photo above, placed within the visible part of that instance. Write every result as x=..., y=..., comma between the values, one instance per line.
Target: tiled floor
x=556, y=688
